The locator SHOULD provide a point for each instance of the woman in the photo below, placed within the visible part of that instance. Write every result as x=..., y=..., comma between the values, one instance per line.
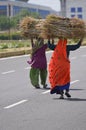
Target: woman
x=38, y=63
x=59, y=67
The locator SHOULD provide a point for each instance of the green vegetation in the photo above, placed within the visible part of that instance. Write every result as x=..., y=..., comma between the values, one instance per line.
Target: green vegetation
x=9, y=26
x=14, y=47
x=14, y=44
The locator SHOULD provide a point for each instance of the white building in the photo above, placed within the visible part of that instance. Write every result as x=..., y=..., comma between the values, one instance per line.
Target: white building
x=73, y=8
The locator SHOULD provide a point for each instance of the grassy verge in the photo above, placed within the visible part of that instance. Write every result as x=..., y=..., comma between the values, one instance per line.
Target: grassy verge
x=21, y=47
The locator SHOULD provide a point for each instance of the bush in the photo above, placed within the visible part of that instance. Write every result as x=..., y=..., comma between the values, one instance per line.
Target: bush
x=3, y=46
x=12, y=36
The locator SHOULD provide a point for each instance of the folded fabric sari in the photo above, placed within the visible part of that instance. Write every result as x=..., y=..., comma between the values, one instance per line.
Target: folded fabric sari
x=59, y=68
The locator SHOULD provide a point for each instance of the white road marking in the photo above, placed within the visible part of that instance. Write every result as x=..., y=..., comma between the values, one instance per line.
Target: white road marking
x=20, y=102
x=74, y=81
x=73, y=58
x=15, y=104
x=70, y=83
x=7, y=72
x=13, y=57
x=27, y=68
x=46, y=92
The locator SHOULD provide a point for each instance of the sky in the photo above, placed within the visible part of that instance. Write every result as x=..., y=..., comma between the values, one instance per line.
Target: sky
x=54, y=4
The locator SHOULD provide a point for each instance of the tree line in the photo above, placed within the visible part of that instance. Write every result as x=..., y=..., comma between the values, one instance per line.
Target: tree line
x=12, y=23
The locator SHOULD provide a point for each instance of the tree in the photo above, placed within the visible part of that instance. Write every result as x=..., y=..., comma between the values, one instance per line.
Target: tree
x=4, y=23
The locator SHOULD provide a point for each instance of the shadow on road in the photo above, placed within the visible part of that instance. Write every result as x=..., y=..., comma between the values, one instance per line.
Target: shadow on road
x=45, y=88
x=76, y=99
x=76, y=89
x=70, y=99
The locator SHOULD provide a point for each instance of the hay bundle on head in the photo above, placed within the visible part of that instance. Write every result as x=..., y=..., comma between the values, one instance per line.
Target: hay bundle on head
x=55, y=26
x=77, y=27
x=28, y=27
x=39, y=26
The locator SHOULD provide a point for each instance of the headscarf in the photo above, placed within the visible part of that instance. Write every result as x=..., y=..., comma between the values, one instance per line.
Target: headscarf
x=39, y=43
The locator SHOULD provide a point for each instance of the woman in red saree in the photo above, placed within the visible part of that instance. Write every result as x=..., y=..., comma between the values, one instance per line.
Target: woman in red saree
x=59, y=69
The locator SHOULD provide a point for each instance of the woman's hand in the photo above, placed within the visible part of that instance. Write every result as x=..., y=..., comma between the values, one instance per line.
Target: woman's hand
x=32, y=40
x=52, y=41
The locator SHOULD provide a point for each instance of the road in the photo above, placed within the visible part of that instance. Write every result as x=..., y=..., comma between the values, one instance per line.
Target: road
x=22, y=107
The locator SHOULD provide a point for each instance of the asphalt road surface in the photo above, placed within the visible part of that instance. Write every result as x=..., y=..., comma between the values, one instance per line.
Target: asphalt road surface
x=22, y=107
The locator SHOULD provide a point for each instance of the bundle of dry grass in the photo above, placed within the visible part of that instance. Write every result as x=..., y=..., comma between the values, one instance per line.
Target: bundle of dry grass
x=28, y=27
x=55, y=26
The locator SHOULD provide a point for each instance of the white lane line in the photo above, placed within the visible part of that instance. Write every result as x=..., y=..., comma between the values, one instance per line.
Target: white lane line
x=74, y=81
x=70, y=83
x=27, y=68
x=46, y=92
x=7, y=72
x=13, y=57
x=15, y=104
x=73, y=58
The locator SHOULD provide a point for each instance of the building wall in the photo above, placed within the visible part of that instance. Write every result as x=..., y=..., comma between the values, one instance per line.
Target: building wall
x=11, y=8
x=63, y=8
x=16, y=0
x=73, y=8
x=22, y=0
x=76, y=8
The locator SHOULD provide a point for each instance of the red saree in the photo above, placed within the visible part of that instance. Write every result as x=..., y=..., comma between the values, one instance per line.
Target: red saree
x=59, y=66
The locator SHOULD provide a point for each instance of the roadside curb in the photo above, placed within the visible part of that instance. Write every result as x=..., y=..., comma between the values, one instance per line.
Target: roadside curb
x=15, y=53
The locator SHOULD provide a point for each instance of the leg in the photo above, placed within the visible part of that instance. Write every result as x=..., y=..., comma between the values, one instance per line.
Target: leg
x=43, y=76
x=62, y=96
x=67, y=93
x=67, y=90
x=34, y=77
